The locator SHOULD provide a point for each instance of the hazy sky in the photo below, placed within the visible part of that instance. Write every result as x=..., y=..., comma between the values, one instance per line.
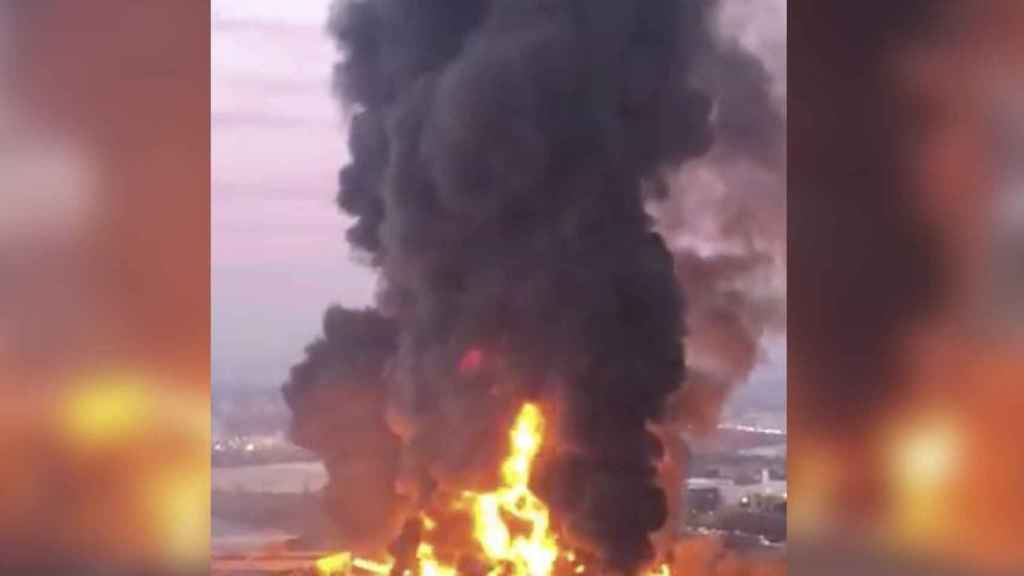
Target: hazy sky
x=278, y=252
x=279, y=256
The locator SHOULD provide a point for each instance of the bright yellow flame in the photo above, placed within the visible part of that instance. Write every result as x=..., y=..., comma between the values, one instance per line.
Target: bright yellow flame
x=662, y=570
x=110, y=408
x=930, y=454
x=334, y=564
x=131, y=420
x=534, y=552
x=428, y=522
x=924, y=464
x=526, y=549
x=429, y=565
x=382, y=568
x=99, y=414
x=180, y=506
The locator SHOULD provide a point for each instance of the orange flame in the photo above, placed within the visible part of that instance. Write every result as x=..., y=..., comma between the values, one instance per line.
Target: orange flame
x=534, y=552
x=528, y=548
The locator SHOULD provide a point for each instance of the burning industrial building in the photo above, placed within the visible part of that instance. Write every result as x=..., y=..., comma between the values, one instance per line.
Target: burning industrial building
x=513, y=403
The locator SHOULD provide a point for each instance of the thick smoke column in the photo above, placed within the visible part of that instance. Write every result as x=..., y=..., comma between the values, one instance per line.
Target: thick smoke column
x=336, y=395
x=502, y=152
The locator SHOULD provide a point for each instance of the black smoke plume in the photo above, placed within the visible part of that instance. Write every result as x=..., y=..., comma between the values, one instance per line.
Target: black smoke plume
x=502, y=154
x=336, y=396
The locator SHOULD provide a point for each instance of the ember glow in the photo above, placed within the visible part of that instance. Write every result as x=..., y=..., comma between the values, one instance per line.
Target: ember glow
x=511, y=525
x=925, y=469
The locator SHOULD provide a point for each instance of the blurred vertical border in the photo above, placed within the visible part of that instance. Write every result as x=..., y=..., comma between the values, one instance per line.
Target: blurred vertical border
x=104, y=286
x=906, y=338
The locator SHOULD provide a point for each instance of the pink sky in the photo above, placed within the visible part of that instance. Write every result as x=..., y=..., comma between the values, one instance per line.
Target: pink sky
x=278, y=255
